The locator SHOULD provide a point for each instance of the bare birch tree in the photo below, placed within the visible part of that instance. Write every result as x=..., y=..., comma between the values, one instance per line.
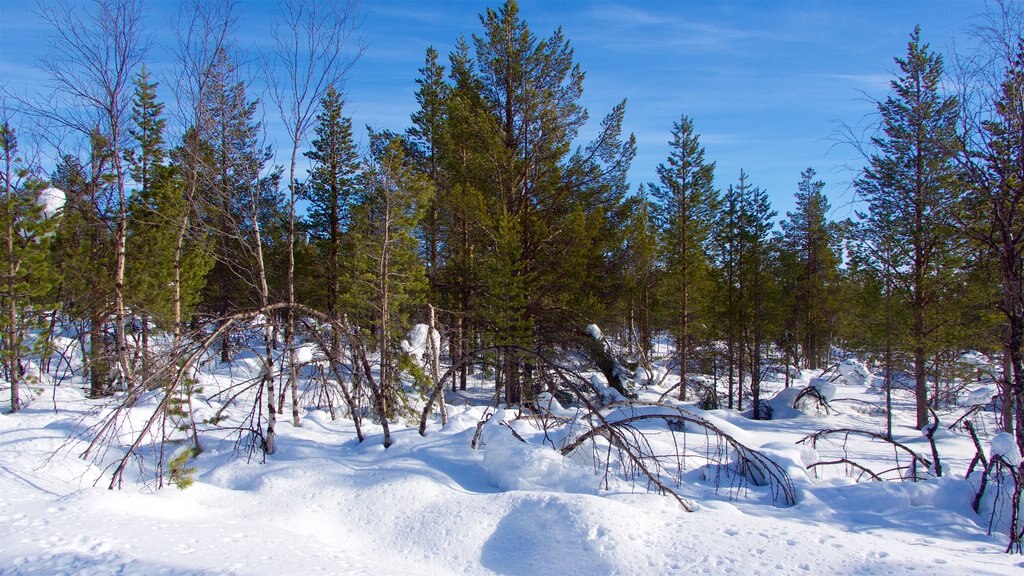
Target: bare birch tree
x=311, y=53
x=92, y=63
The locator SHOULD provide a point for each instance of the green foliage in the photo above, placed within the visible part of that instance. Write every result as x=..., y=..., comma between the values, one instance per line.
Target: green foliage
x=29, y=279
x=809, y=265
x=331, y=191
x=910, y=184
x=686, y=207
x=181, y=474
x=157, y=213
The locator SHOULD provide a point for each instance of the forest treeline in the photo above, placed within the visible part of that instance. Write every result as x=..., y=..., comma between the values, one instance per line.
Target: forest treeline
x=490, y=219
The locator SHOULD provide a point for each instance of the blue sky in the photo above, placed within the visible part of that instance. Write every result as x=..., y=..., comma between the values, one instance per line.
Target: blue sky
x=764, y=81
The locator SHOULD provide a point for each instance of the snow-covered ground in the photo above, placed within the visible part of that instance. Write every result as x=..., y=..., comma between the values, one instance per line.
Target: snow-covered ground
x=326, y=504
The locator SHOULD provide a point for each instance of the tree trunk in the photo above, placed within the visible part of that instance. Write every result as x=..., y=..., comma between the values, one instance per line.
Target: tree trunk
x=97, y=358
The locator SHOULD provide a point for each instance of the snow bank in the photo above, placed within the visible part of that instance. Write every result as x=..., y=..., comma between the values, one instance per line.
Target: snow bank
x=416, y=344
x=1005, y=445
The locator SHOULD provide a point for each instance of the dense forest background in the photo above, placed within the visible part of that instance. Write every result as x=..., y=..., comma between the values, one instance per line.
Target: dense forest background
x=162, y=227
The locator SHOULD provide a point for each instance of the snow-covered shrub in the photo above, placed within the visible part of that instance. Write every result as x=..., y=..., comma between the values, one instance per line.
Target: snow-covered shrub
x=853, y=372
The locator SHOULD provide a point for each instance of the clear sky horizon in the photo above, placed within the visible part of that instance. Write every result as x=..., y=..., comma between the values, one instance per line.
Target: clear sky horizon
x=765, y=82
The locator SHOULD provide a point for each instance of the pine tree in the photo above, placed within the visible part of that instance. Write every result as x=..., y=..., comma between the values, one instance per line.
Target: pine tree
x=992, y=214
x=911, y=178
x=811, y=241
x=686, y=210
x=642, y=273
x=84, y=252
x=757, y=291
x=543, y=219
x=390, y=280
x=29, y=278
x=424, y=139
x=242, y=202
x=331, y=191
x=728, y=246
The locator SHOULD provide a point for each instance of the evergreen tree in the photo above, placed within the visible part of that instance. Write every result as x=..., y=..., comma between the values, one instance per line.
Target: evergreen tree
x=424, y=138
x=992, y=208
x=543, y=220
x=910, y=179
x=642, y=274
x=84, y=254
x=391, y=281
x=686, y=210
x=728, y=246
x=331, y=191
x=147, y=131
x=156, y=210
x=29, y=278
x=758, y=293
x=810, y=240
x=243, y=204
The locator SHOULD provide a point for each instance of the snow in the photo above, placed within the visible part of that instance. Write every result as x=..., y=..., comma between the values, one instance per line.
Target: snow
x=304, y=354
x=327, y=504
x=825, y=387
x=52, y=201
x=854, y=372
x=1005, y=445
x=416, y=344
x=982, y=395
x=595, y=332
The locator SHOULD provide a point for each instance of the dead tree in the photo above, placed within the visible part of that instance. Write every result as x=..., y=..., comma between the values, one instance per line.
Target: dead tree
x=908, y=464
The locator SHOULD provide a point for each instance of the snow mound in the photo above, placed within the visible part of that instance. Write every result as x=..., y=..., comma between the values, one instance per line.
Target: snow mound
x=416, y=344
x=782, y=403
x=512, y=464
x=793, y=458
x=547, y=401
x=825, y=387
x=853, y=372
x=52, y=201
x=1004, y=444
